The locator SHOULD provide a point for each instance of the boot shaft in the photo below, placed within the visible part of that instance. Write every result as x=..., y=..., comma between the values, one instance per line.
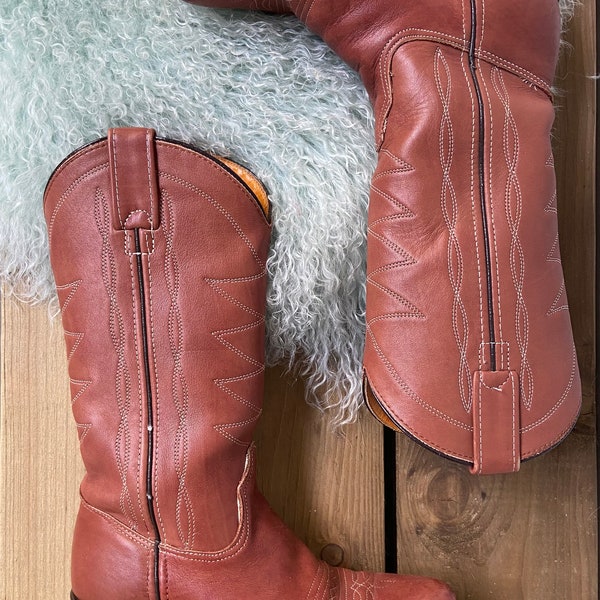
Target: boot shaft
x=518, y=37
x=159, y=253
x=464, y=266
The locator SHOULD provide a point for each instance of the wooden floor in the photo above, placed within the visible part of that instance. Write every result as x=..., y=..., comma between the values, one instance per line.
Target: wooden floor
x=529, y=536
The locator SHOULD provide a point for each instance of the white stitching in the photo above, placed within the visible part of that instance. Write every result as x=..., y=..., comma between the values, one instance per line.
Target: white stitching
x=513, y=204
x=175, y=335
x=148, y=161
x=448, y=201
x=115, y=173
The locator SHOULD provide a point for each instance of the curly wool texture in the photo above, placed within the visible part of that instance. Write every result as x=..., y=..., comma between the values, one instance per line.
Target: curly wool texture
x=259, y=89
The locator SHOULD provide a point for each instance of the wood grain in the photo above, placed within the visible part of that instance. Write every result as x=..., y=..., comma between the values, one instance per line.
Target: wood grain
x=39, y=458
x=327, y=486
x=529, y=536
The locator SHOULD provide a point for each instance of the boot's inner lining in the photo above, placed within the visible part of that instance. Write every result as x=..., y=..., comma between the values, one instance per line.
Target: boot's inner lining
x=251, y=181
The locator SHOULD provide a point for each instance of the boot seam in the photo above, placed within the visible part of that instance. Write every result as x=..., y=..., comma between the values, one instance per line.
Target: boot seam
x=121, y=528
x=242, y=537
x=413, y=34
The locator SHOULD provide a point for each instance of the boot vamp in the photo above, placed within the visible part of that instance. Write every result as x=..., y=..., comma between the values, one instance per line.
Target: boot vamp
x=271, y=563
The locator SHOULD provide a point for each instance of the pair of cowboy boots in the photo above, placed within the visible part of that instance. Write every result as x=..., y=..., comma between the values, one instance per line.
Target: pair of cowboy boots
x=159, y=258
x=469, y=347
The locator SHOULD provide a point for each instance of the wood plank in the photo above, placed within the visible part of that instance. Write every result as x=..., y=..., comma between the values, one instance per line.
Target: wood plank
x=327, y=486
x=40, y=467
x=533, y=535
x=529, y=536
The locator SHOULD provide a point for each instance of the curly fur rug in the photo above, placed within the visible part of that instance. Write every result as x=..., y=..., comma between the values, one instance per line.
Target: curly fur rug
x=260, y=89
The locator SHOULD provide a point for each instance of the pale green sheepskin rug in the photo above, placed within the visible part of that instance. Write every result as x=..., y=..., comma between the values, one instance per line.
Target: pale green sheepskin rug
x=257, y=88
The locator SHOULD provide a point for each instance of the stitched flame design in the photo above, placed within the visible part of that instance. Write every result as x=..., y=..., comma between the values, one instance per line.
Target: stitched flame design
x=66, y=292
x=225, y=337
x=560, y=300
x=378, y=230
x=225, y=287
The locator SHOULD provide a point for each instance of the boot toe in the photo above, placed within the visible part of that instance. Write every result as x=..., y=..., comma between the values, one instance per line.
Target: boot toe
x=400, y=587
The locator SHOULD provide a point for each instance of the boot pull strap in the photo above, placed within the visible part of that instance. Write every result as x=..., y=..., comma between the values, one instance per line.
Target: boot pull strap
x=133, y=178
x=496, y=421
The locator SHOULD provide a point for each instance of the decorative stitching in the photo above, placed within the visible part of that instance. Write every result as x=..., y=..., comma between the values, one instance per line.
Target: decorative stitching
x=405, y=212
x=116, y=328
x=561, y=399
x=81, y=179
x=115, y=174
x=554, y=254
x=83, y=430
x=409, y=392
x=403, y=167
x=482, y=24
x=73, y=286
x=220, y=208
x=414, y=311
x=556, y=306
x=406, y=259
x=221, y=335
x=243, y=535
x=361, y=582
x=148, y=163
x=310, y=595
x=551, y=207
x=72, y=346
x=211, y=164
x=400, y=38
x=83, y=384
x=132, y=536
x=217, y=284
x=513, y=208
x=449, y=207
x=179, y=386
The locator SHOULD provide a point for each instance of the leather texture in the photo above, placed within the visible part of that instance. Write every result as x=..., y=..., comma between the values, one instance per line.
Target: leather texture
x=464, y=277
x=164, y=328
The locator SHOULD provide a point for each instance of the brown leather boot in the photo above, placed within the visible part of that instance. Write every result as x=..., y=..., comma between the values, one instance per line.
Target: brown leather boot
x=159, y=254
x=469, y=346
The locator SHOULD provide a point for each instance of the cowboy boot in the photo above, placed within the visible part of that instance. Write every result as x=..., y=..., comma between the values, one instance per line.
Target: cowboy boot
x=159, y=253
x=469, y=347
